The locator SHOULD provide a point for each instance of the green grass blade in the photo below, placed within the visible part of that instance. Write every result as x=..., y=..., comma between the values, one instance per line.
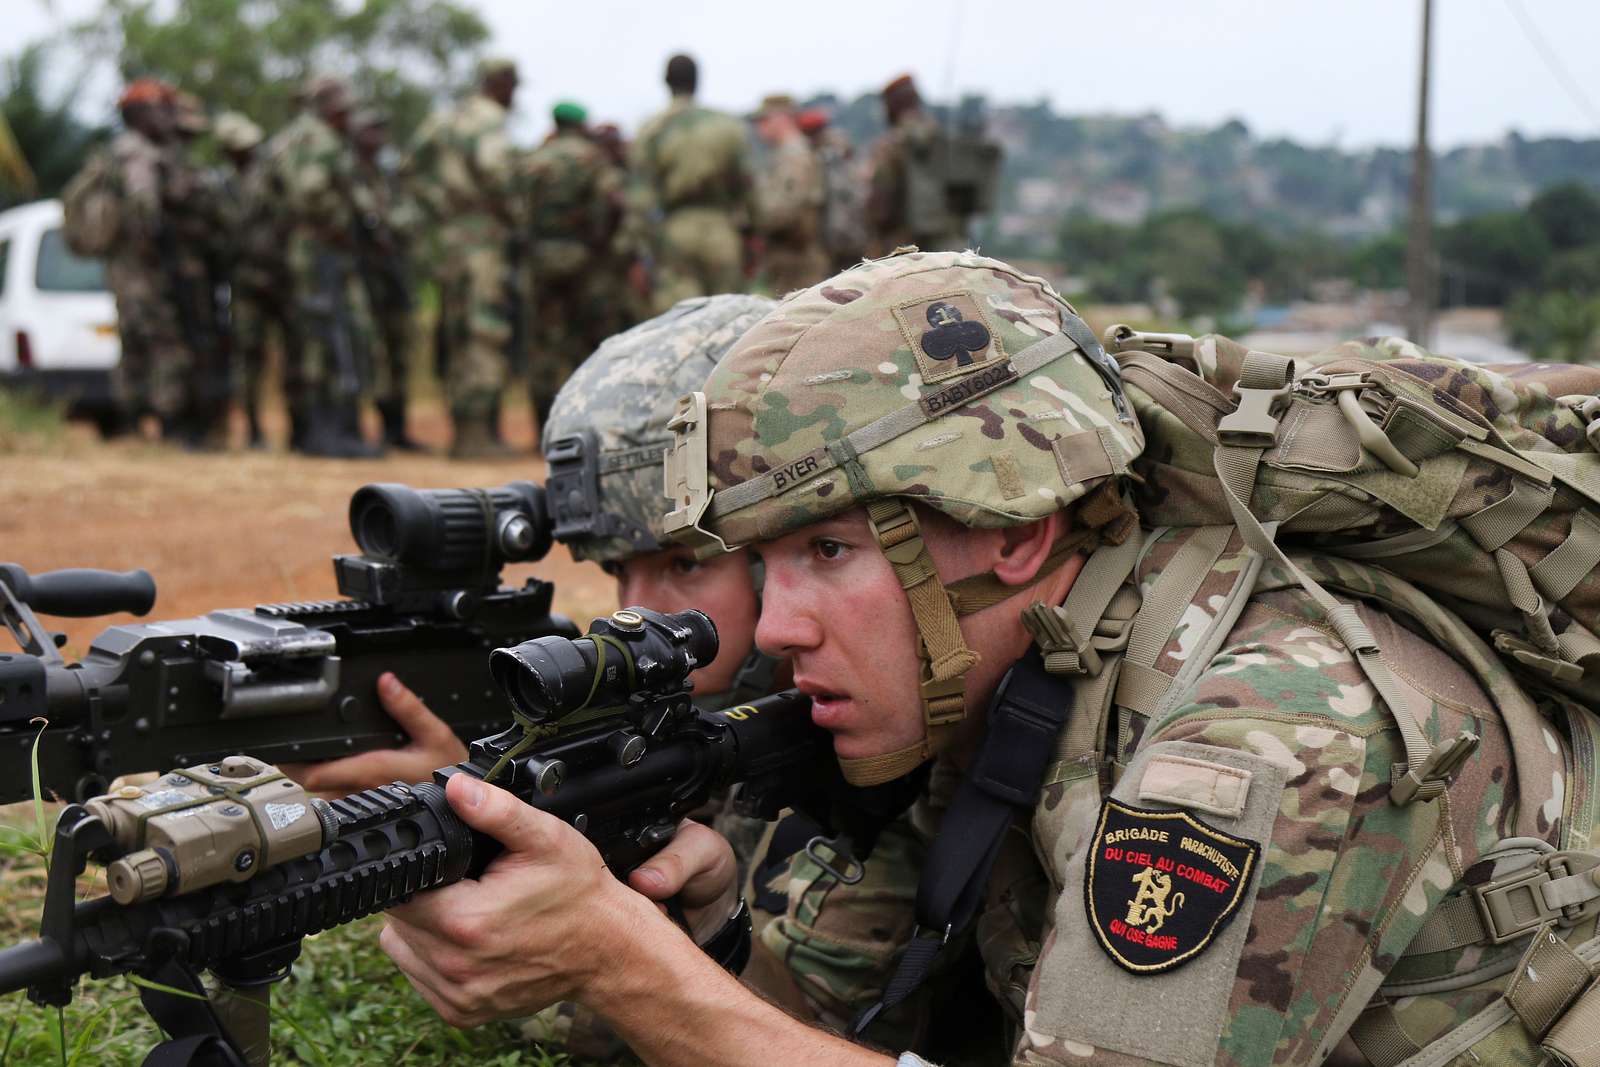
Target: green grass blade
x=61, y=1033
x=11, y=1032
x=145, y=983
x=38, y=794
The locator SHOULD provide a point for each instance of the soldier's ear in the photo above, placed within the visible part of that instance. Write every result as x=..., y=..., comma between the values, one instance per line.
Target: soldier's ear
x=1023, y=550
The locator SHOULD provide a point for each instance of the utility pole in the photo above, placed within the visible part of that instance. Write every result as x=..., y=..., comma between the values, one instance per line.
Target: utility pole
x=1420, y=282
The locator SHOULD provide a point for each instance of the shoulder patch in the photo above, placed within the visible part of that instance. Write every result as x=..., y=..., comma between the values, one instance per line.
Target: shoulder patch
x=1160, y=885
x=948, y=334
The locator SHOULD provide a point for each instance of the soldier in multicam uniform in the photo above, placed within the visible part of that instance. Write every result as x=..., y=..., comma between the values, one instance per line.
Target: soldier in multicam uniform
x=314, y=179
x=152, y=375
x=573, y=192
x=789, y=198
x=888, y=218
x=463, y=171
x=928, y=452
x=259, y=275
x=689, y=207
x=383, y=255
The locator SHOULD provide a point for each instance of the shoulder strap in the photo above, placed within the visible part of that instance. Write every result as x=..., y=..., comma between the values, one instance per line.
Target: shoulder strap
x=1025, y=716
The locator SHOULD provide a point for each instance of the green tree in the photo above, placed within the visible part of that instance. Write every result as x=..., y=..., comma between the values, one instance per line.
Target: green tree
x=1569, y=215
x=1490, y=257
x=50, y=138
x=1560, y=326
x=253, y=55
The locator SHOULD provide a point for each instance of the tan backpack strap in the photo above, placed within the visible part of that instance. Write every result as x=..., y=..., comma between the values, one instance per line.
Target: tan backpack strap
x=1244, y=435
x=1143, y=686
x=1380, y=1037
x=1570, y=562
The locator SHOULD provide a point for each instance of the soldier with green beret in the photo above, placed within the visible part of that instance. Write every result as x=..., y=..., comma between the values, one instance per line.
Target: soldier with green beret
x=572, y=191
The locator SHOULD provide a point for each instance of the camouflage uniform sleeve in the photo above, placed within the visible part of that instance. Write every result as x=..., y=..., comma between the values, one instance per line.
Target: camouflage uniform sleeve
x=139, y=172
x=641, y=205
x=499, y=169
x=1282, y=752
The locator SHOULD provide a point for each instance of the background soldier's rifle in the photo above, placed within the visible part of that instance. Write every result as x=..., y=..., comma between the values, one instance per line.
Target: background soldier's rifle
x=281, y=681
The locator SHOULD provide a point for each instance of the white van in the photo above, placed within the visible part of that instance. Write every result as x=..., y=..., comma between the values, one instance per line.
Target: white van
x=58, y=324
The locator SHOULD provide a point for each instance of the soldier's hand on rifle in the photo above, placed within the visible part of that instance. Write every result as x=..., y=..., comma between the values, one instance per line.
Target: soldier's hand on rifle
x=546, y=922
x=433, y=745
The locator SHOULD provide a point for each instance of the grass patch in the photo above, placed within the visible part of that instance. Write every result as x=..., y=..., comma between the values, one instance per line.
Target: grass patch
x=345, y=1005
x=29, y=423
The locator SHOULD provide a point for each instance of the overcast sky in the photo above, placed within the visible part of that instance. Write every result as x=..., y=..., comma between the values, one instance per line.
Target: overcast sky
x=1319, y=70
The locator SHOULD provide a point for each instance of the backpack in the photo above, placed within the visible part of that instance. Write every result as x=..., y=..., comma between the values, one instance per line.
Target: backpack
x=1383, y=471
x=950, y=176
x=91, y=208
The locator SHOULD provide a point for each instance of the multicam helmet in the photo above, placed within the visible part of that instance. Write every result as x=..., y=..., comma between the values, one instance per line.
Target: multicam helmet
x=607, y=428
x=946, y=378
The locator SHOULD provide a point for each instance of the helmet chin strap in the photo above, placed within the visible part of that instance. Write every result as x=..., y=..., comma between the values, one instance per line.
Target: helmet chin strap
x=941, y=648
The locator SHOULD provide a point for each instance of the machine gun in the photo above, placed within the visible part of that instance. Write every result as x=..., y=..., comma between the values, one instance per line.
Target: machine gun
x=228, y=866
x=282, y=682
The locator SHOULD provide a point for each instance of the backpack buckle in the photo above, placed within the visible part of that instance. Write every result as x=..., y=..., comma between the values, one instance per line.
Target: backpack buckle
x=1519, y=903
x=1439, y=769
x=1253, y=424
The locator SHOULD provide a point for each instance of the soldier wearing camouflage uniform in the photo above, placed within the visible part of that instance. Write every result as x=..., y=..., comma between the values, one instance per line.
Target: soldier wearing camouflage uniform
x=259, y=281
x=315, y=181
x=463, y=171
x=383, y=255
x=1231, y=849
x=153, y=372
x=910, y=127
x=844, y=211
x=789, y=198
x=690, y=201
x=572, y=194
x=197, y=206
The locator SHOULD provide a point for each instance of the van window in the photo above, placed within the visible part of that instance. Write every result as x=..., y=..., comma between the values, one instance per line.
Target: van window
x=61, y=270
x=5, y=258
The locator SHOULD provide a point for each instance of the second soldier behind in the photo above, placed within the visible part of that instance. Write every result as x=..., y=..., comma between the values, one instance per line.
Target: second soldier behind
x=572, y=195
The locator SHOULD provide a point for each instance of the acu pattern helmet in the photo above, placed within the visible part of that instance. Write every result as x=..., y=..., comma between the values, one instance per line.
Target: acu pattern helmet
x=608, y=430
x=946, y=378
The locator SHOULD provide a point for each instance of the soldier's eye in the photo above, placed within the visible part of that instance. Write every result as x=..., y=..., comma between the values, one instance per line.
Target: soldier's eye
x=682, y=565
x=827, y=548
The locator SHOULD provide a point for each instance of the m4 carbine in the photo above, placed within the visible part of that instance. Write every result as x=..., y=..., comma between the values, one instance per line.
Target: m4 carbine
x=281, y=682
x=228, y=866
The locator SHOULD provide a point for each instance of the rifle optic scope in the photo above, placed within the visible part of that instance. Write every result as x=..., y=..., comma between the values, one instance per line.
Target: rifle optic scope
x=635, y=650
x=451, y=529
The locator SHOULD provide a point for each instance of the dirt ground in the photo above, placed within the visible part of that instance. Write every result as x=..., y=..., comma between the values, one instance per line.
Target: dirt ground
x=238, y=528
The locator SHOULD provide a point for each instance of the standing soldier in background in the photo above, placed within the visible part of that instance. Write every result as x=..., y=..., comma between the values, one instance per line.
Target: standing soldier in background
x=314, y=172
x=259, y=281
x=572, y=191
x=691, y=205
x=926, y=184
x=463, y=171
x=196, y=249
x=383, y=257
x=116, y=208
x=789, y=199
x=630, y=303
x=844, y=209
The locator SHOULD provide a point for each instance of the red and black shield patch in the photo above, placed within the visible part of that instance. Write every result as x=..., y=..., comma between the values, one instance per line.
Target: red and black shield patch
x=1160, y=885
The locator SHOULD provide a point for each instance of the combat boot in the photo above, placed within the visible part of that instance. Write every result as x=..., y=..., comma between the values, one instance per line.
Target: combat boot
x=327, y=435
x=476, y=439
x=394, y=426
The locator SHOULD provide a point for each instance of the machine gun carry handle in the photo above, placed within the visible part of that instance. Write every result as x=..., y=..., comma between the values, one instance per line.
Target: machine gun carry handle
x=75, y=593
x=81, y=593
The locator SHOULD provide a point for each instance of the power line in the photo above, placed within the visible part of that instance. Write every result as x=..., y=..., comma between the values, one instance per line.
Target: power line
x=1552, y=62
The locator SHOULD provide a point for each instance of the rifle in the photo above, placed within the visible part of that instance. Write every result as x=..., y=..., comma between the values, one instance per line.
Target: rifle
x=606, y=739
x=281, y=681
